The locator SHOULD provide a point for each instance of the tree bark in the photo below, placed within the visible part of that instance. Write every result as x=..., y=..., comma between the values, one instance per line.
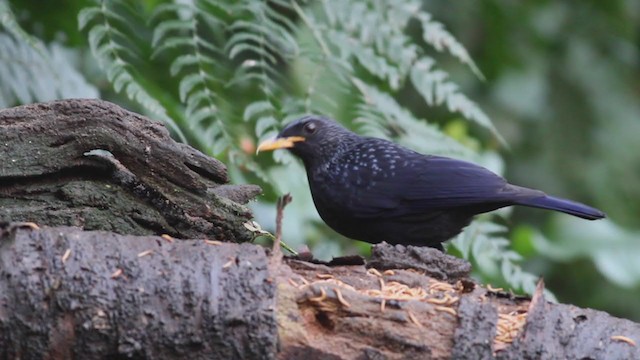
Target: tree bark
x=68, y=293
x=92, y=164
x=72, y=294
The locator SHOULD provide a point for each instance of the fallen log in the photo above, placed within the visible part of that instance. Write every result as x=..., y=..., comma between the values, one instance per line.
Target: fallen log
x=67, y=293
x=122, y=292
x=72, y=294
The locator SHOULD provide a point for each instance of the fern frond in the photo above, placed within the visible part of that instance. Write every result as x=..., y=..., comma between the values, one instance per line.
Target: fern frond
x=109, y=45
x=389, y=54
x=263, y=39
x=31, y=71
x=434, y=86
x=483, y=244
x=180, y=26
x=257, y=107
x=410, y=131
x=437, y=36
x=9, y=23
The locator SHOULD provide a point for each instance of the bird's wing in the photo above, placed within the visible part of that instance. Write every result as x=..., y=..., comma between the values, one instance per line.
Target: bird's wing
x=416, y=184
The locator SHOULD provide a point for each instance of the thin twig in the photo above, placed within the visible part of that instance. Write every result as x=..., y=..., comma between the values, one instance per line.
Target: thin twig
x=283, y=201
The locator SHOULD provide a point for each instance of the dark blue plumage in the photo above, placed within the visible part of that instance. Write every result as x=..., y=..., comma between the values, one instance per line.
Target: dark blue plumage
x=565, y=206
x=374, y=190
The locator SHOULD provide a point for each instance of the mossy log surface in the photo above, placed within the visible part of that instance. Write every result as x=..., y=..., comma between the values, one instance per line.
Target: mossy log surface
x=92, y=164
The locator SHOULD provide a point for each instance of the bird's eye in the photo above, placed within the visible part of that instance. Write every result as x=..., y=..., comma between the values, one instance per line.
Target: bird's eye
x=310, y=127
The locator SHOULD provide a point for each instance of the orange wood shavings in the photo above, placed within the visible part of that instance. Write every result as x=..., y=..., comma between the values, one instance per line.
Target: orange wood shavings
x=442, y=295
x=213, y=242
x=323, y=295
x=623, y=339
x=29, y=224
x=66, y=256
x=145, y=253
x=413, y=319
x=447, y=310
x=340, y=298
x=508, y=327
x=167, y=237
x=397, y=291
x=116, y=273
x=334, y=281
x=374, y=272
x=325, y=276
x=439, y=286
x=446, y=300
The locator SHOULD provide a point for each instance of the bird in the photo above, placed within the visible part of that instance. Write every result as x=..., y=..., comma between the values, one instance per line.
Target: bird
x=374, y=190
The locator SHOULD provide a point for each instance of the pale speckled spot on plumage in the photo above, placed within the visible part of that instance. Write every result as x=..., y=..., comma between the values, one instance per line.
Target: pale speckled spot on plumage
x=361, y=158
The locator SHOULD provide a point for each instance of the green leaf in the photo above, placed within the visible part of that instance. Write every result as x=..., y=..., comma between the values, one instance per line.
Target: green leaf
x=256, y=108
x=265, y=123
x=86, y=15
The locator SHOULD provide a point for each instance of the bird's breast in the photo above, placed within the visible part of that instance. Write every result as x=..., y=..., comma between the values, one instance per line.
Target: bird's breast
x=331, y=190
x=338, y=189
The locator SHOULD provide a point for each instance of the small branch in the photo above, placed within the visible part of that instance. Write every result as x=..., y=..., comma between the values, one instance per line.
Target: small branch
x=283, y=201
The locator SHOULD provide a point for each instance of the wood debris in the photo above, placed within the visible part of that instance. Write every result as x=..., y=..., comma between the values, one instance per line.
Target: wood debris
x=447, y=310
x=323, y=295
x=29, y=224
x=167, y=237
x=228, y=263
x=623, y=339
x=145, y=253
x=508, y=327
x=340, y=298
x=413, y=319
x=116, y=273
x=374, y=272
x=325, y=276
x=443, y=296
x=66, y=256
x=447, y=300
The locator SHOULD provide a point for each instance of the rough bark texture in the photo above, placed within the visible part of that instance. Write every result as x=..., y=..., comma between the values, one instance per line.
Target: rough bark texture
x=71, y=294
x=568, y=332
x=92, y=164
x=426, y=259
x=67, y=293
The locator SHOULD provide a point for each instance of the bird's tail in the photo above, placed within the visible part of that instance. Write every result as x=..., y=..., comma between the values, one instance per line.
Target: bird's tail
x=565, y=206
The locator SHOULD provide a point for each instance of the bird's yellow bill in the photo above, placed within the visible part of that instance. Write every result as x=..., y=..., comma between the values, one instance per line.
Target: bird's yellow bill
x=280, y=143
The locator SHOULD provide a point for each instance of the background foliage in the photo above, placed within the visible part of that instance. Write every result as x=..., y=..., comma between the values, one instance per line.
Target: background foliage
x=556, y=81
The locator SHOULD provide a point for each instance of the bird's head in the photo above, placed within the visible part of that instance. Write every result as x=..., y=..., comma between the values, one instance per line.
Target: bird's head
x=310, y=138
